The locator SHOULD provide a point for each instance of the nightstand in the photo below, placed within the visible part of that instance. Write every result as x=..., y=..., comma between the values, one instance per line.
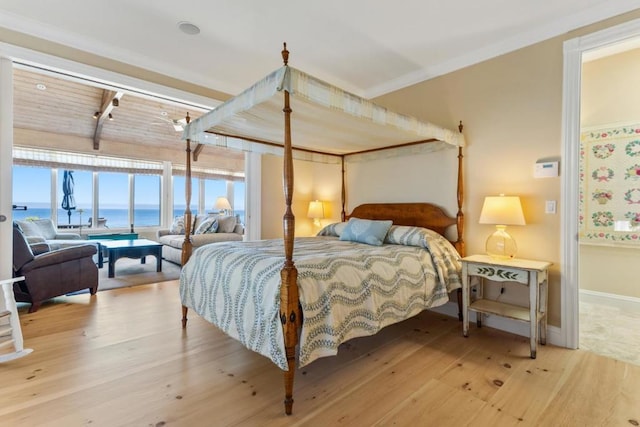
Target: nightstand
x=533, y=274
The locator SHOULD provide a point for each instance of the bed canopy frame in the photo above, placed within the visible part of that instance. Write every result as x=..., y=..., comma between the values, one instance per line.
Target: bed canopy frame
x=374, y=125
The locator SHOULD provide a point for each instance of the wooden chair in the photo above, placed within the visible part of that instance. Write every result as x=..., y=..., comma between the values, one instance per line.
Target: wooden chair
x=11, y=342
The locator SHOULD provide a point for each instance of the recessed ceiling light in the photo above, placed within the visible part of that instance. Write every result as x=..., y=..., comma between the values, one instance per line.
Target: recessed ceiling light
x=163, y=113
x=188, y=28
x=41, y=86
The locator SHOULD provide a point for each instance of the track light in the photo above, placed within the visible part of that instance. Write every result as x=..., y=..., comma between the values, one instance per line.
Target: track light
x=96, y=115
x=115, y=102
x=110, y=116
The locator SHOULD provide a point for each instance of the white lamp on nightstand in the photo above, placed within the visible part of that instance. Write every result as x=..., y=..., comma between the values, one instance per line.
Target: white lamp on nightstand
x=502, y=211
x=316, y=212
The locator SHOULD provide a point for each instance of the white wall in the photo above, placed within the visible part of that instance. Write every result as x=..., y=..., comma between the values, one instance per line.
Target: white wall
x=311, y=181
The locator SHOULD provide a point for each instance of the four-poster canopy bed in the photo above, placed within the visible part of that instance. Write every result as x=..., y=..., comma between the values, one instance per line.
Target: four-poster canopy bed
x=352, y=127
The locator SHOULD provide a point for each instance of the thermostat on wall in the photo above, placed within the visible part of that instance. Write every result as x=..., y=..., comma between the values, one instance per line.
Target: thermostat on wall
x=545, y=170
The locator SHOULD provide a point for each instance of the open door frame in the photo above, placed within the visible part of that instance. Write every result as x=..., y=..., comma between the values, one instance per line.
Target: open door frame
x=572, y=79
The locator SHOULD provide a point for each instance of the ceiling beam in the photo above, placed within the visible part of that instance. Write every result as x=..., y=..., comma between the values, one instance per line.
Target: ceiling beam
x=196, y=151
x=108, y=98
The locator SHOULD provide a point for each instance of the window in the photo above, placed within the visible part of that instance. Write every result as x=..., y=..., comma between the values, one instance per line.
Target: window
x=82, y=195
x=146, y=204
x=31, y=189
x=127, y=194
x=213, y=188
x=113, y=199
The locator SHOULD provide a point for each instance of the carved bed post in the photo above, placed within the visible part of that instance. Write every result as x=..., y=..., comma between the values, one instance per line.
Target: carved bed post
x=187, y=246
x=289, y=302
x=460, y=193
x=460, y=218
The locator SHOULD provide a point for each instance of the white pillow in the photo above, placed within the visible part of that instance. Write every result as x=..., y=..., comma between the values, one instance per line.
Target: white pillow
x=226, y=224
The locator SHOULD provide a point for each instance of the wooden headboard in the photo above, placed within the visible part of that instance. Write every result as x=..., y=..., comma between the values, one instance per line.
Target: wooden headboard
x=424, y=215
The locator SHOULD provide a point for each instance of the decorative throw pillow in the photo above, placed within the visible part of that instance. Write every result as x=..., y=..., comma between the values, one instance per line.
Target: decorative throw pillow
x=334, y=229
x=208, y=225
x=366, y=231
x=177, y=227
x=226, y=224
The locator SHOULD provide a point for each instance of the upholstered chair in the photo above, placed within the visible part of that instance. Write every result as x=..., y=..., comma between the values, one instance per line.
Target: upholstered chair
x=51, y=274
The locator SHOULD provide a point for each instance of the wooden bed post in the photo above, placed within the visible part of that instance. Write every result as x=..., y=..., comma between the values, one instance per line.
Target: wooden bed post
x=460, y=194
x=187, y=246
x=460, y=217
x=289, y=302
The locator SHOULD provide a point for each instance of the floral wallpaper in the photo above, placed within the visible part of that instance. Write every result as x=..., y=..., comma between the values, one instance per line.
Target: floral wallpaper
x=610, y=184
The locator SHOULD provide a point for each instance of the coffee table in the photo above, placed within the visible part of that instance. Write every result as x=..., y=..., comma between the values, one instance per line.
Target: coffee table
x=139, y=248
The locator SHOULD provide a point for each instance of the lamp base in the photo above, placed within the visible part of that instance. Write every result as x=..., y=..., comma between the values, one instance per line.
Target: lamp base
x=500, y=245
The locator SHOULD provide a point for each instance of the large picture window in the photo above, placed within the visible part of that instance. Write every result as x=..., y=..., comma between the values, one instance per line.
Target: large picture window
x=113, y=199
x=146, y=207
x=82, y=196
x=31, y=192
x=60, y=186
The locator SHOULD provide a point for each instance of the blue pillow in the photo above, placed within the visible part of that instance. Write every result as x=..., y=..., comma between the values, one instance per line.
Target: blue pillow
x=366, y=231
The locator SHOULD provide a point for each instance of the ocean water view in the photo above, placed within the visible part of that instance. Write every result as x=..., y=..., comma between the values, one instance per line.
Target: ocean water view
x=115, y=218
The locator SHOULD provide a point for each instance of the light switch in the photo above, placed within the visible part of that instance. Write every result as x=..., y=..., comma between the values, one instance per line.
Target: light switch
x=550, y=207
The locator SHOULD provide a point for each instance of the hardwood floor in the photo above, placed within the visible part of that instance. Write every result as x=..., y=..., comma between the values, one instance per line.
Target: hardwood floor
x=120, y=358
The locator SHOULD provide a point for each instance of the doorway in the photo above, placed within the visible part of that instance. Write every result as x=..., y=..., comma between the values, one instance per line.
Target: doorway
x=574, y=52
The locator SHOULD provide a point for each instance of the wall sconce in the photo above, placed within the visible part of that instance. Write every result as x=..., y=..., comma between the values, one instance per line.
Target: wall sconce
x=222, y=205
x=501, y=211
x=316, y=212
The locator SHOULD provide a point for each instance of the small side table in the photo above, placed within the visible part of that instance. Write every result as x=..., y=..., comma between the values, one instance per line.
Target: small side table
x=533, y=274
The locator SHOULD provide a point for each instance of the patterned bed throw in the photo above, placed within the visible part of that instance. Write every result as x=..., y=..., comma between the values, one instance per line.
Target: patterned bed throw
x=347, y=289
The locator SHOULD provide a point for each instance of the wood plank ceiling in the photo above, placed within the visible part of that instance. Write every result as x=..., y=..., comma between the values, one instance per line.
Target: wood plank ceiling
x=67, y=107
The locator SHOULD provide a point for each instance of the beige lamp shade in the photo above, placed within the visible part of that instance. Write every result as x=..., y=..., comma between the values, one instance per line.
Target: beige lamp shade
x=501, y=211
x=316, y=211
x=222, y=204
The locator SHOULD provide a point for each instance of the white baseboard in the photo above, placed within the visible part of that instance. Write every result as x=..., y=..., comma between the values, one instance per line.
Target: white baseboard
x=622, y=302
x=554, y=335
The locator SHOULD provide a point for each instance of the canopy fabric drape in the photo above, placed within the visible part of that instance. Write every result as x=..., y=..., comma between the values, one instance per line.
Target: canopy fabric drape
x=323, y=113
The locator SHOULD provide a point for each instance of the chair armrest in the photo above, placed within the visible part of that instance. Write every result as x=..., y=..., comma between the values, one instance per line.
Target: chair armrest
x=59, y=256
x=162, y=232
x=39, y=248
x=35, y=239
x=67, y=236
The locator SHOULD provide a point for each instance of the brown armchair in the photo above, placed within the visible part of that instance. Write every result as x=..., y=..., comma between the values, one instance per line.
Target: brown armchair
x=53, y=273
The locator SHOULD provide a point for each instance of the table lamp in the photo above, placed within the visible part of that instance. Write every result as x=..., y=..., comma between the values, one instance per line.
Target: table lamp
x=222, y=205
x=316, y=212
x=501, y=211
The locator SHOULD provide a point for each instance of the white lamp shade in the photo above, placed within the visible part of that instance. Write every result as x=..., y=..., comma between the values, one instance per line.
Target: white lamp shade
x=502, y=210
x=316, y=210
x=222, y=203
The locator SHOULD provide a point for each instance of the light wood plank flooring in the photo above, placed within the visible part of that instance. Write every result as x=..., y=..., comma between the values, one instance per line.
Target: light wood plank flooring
x=120, y=358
